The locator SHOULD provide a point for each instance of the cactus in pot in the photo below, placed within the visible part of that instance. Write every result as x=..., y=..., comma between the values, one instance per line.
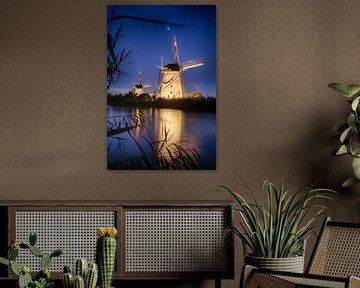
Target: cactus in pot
x=106, y=254
x=85, y=275
x=42, y=278
x=91, y=276
x=79, y=282
x=68, y=278
x=81, y=267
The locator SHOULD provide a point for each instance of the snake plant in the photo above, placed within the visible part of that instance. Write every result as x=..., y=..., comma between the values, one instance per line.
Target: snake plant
x=279, y=228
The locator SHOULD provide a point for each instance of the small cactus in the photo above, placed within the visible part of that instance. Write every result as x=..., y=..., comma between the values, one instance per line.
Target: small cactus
x=67, y=269
x=36, y=251
x=80, y=268
x=45, y=261
x=24, y=278
x=106, y=254
x=88, y=273
x=91, y=276
x=13, y=253
x=79, y=282
x=68, y=280
x=32, y=238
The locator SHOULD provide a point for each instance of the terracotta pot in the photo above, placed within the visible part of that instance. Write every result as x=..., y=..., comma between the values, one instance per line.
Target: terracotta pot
x=291, y=264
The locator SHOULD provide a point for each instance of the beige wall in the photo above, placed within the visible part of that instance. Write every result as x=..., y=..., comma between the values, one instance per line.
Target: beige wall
x=275, y=113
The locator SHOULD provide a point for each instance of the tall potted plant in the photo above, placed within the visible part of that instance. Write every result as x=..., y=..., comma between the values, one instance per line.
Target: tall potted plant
x=275, y=233
x=348, y=132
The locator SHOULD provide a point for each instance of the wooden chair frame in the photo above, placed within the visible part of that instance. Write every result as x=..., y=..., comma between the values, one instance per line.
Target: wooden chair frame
x=255, y=277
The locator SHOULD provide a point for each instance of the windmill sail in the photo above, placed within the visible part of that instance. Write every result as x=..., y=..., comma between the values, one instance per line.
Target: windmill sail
x=176, y=51
x=191, y=64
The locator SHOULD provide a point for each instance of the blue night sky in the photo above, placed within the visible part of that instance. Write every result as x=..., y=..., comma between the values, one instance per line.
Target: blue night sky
x=148, y=42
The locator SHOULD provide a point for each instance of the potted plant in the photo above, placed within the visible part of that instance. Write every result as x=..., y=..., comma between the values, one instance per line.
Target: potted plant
x=42, y=278
x=348, y=132
x=84, y=274
x=106, y=254
x=275, y=233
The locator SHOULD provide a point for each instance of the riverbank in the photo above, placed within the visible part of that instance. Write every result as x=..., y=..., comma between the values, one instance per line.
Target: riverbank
x=204, y=105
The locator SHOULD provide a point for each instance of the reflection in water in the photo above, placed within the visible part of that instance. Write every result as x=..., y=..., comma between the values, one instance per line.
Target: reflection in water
x=190, y=130
x=137, y=129
x=171, y=120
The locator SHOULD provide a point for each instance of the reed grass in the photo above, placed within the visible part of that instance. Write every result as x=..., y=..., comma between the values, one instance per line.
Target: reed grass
x=163, y=154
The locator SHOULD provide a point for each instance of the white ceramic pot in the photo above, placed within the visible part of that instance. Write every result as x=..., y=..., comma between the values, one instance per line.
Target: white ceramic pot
x=291, y=264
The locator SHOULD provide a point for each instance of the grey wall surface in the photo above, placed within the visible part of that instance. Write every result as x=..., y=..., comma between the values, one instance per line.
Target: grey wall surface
x=275, y=112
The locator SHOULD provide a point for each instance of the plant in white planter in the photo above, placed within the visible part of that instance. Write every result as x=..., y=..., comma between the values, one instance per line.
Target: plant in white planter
x=279, y=229
x=348, y=132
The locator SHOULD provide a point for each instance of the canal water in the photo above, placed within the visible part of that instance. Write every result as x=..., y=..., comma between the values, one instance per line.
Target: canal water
x=189, y=129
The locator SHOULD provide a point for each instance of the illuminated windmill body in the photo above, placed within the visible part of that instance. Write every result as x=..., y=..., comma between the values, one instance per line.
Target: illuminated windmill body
x=171, y=83
x=139, y=88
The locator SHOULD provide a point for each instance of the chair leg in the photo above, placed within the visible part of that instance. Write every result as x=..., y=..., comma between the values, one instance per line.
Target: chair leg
x=246, y=273
x=251, y=279
x=217, y=283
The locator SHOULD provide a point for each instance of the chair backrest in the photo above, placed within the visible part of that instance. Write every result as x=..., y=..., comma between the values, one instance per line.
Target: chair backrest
x=337, y=251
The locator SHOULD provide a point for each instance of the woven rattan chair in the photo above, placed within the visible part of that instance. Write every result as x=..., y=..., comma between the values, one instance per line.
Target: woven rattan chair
x=334, y=263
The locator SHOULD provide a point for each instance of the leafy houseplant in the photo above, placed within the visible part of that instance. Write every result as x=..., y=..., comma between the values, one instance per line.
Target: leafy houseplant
x=348, y=132
x=279, y=229
x=42, y=278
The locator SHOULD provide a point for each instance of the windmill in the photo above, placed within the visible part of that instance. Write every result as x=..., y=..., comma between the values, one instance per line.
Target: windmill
x=171, y=83
x=139, y=88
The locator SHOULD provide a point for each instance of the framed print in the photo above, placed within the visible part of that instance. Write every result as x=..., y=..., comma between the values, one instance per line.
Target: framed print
x=161, y=87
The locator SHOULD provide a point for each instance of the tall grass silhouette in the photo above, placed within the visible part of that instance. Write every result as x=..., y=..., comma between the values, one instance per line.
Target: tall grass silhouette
x=162, y=154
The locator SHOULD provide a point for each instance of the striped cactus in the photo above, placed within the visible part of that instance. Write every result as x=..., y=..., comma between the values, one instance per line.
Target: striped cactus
x=84, y=276
x=91, y=276
x=79, y=282
x=81, y=266
x=106, y=254
x=68, y=280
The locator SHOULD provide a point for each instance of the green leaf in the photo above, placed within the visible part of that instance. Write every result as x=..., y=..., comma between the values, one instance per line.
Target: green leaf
x=345, y=134
x=4, y=261
x=355, y=103
x=353, y=89
x=354, y=145
x=340, y=88
x=342, y=150
x=356, y=167
x=349, y=182
x=14, y=268
x=279, y=228
x=351, y=120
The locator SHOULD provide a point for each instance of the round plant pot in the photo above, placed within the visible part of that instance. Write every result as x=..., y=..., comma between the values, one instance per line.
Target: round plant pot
x=291, y=264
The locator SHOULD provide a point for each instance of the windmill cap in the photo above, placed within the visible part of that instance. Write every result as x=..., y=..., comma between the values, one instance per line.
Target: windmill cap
x=173, y=67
